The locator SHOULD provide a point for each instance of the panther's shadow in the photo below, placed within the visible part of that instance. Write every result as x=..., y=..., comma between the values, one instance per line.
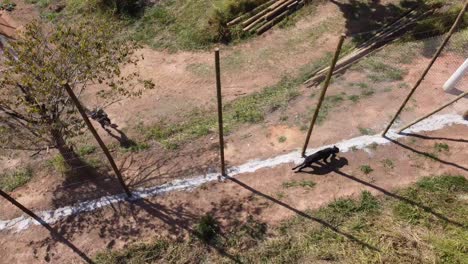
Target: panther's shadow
x=323, y=168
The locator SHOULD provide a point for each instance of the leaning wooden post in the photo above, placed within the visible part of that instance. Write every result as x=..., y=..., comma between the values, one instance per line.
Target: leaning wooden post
x=98, y=139
x=22, y=208
x=220, y=113
x=433, y=112
x=46, y=225
x=431, y=63
x=324, y=90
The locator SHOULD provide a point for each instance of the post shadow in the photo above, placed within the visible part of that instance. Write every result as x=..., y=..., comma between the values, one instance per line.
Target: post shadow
x=55, y=235
x=401, y=198
x=426, y=154
x=461, y=140
x=303, y=214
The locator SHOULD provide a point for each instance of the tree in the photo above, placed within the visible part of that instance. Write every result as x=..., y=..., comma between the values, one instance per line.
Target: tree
x=35, y=109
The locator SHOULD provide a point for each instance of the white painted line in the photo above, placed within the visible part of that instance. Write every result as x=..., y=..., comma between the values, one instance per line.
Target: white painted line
x=51, y=216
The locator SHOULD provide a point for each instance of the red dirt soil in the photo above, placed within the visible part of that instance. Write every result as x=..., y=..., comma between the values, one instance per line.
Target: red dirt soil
x=258, y=194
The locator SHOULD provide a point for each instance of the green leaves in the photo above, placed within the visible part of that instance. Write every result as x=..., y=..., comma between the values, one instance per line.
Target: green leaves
x=43, y=59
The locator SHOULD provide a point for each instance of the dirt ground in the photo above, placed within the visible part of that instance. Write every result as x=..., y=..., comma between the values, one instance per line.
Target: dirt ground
x=260, y=194
x=184, y=81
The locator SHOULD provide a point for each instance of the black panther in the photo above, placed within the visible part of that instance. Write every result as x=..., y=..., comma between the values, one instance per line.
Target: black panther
x=323, y=154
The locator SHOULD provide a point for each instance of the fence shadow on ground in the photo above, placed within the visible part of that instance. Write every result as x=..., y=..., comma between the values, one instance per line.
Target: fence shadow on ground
x=304, y=214
x=400, y=198
x=461, y=140
x=427, y=155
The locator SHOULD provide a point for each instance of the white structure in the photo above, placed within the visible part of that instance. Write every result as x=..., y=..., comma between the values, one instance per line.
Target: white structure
x=450, y=85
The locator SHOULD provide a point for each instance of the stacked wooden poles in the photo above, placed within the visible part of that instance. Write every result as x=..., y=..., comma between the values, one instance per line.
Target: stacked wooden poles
x=380, y=39
x=323, y=92
x=266, y=15
x=429, y=66
x=220, y=113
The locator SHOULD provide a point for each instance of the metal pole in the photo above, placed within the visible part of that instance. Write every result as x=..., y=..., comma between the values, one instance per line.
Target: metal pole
x=220, y=113
x=433, y=112
x=324, y=90
x=98, y=139
x=434, y=58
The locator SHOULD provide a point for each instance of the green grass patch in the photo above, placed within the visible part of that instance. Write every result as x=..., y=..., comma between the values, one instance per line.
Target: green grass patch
x=207, y=228
x=441, y=147
x=388, y=163
x=190, y=24
x=9, y=181
x=367, y=93
x=303, y=184
x=354, y=98
x=248, y=109
x=366, y=131
x=329, y=103
x=282, y=139
x=373, y=146
x=86, y=150
x=136, y=147
x=366, y=169
x=379, y=71
x=58, y=163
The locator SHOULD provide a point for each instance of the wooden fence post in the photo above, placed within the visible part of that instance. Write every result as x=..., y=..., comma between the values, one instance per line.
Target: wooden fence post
x=97, y=137
x=324, y=90
x=220, y=113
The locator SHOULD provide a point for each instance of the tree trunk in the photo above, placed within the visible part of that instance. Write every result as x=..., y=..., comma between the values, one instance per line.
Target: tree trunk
x=72, y=160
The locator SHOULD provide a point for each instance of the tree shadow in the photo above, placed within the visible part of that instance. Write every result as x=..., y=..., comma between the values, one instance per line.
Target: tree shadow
x=364, y=16
x=305, y=215
x=461, y=140
x=86, y=184
x=427, y=155
x=55, y=236
x=368, y=16
x=149, y=171
x=401, y=198
x=327, y=167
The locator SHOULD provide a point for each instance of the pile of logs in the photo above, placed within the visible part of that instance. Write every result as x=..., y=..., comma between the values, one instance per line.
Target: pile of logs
x=265, y=16
x=382, y=37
